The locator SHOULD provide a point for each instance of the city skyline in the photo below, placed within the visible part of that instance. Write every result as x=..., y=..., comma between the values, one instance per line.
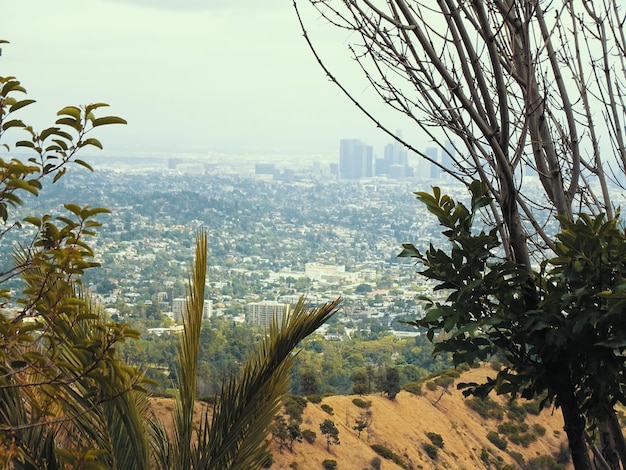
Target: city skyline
x=190, y=78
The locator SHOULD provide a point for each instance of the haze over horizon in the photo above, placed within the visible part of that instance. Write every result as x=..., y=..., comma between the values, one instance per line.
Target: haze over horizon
x=190, y=77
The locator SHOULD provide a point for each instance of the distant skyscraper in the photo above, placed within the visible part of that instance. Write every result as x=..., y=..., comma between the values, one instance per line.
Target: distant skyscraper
x=395, y=160
x=355, y=159
x=433, y=153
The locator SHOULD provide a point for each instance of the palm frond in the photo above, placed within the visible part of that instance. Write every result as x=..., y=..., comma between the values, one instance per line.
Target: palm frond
x=182, y=451
x=247, y=404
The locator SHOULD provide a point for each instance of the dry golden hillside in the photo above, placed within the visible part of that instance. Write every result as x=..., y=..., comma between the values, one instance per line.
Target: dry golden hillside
x=401, y=426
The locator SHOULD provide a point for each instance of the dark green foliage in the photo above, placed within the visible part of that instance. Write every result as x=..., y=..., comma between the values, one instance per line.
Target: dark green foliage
x=533, y=407
x=361, y=383
x=331, y=432
x=557, y=328
x=544, y=462
x=519, y=458
x=539, y=430
x=391, y=383
x=515, y=411
x=315, y=399
x=435, y=438
x=414, y=387
x=388, y=454
x=376, y=463
x=329, y=464
x=518, y=433
x=485, y=407
x=430, y=450
x=496, y=440
x=309, y=384
x=430, y=385
x=309, y=435
x=361, y=403
x=294, y=407
x=327, y=408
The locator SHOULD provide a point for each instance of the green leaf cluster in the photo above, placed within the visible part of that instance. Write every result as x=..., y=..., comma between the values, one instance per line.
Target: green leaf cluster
x=561, y=329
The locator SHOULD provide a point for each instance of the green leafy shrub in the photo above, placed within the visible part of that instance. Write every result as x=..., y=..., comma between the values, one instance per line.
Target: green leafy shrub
x=388, y=454
x=414, y=387
x=519, y=458
x=294, y=407
x=327, y=408
x=430, y=450
x=533, y=407
x=435, y=438
x=431, y=385
x=309, y=435
x=365, y=404
x=539, y=430
x=496, y=440
x=329, y=464
x=544, y=462
x=315, y=399
x=485, y=407
x=516, y=412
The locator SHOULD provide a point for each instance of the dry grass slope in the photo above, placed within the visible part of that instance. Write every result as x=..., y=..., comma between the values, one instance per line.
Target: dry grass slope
x=402, y=425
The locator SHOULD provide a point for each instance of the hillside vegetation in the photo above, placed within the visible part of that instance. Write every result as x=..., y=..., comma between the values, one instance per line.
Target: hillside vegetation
x=408, y=427
x=402, y=427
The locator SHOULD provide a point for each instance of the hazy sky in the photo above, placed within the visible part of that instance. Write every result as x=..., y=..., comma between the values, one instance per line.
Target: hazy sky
x=199, y=76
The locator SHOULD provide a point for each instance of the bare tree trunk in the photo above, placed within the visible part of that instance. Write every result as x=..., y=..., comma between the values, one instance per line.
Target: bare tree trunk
x=575, y=429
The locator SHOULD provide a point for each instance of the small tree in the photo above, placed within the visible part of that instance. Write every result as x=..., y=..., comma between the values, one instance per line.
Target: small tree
x=363, y=422
x=391, y=384
x=331, y=432
x=294, y=434
x=280, y=434
x=360, y=383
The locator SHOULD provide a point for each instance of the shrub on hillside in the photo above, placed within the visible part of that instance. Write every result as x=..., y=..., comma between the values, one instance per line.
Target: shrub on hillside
x=519, y=458
x=516, y=412
x=315, y=399
x=388, y=454
x=365, y=404
x=539, y=430
x=376, y=463
x=533, y=407
x=414, y=387
x=496, y=440
x=309, y=435
x=329, y=464
x=544, y=462
x=327, y=408
x=435, y=438
x=430, y=450
x=485, y=407
x=294, y=407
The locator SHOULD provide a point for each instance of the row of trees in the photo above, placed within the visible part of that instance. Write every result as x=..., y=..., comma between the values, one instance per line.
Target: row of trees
x=527, y=90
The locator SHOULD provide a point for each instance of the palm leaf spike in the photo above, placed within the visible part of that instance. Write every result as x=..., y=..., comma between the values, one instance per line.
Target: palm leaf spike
x=188, y=359
x=248, y=403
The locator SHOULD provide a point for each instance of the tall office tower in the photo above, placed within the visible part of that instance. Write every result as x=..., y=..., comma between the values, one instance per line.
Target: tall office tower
x=262, y=313
x=355, y=159
x=433, y=153
x=400, y=155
